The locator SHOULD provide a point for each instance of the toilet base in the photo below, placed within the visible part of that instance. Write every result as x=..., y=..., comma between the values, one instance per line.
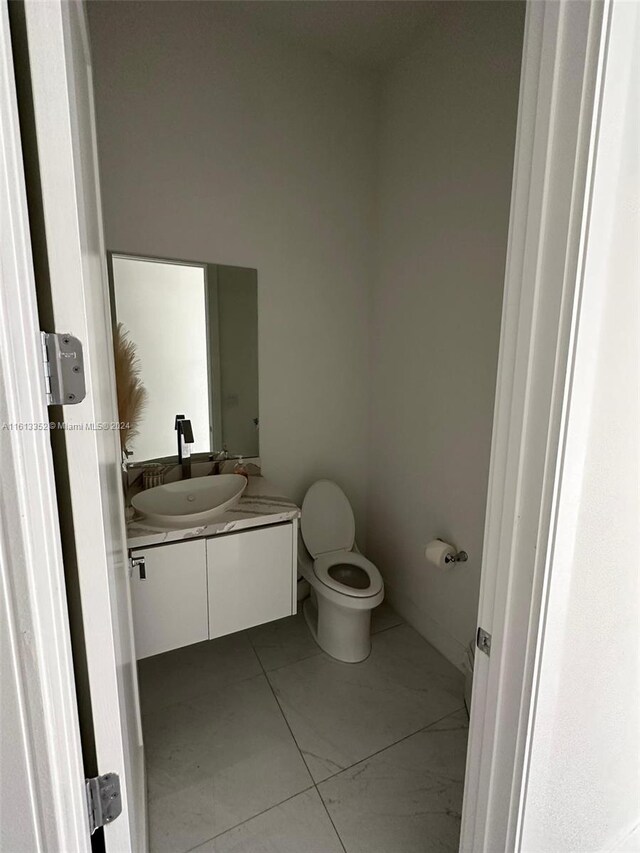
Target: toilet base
x=343, y=633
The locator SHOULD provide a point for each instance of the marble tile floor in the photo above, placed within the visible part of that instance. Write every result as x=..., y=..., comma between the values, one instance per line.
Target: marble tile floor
x=260, y=743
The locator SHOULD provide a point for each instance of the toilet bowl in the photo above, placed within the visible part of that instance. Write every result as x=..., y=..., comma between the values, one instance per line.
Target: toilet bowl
x=345, y=586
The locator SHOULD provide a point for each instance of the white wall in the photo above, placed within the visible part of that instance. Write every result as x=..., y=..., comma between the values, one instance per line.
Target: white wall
x=219, y=145
x=376, y=215
x=583, y=786
x=448, y=118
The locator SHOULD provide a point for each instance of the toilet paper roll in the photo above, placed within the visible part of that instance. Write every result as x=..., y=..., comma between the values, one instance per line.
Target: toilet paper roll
x=437, y=551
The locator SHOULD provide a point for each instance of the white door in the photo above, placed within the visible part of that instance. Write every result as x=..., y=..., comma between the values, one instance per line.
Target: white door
x=565, y=50
x=169, y=591
x=64, y=126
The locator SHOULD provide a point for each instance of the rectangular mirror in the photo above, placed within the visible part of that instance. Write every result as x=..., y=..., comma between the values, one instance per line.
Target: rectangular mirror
x=194, y=327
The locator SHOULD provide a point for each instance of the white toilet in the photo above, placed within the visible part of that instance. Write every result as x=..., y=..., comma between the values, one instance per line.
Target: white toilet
x=345, y=586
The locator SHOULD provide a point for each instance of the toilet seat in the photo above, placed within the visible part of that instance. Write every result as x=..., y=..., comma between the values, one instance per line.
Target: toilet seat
x=325, y=562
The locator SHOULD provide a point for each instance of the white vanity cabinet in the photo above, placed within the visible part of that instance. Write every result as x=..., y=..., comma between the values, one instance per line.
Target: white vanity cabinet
x=251, y=578
x=169, y=597
x=199, y=589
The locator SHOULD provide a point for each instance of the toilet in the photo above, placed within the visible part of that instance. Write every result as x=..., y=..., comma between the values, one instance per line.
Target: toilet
x=345, y=586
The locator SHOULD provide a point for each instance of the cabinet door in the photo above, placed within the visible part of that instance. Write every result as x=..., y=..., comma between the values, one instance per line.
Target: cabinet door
x=250, y=578
x=170, y=599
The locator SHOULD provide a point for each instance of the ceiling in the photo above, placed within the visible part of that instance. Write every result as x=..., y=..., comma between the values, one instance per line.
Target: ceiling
x=366, y=34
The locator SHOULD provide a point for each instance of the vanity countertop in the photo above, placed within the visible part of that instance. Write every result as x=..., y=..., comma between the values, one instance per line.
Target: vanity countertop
x=259, y=505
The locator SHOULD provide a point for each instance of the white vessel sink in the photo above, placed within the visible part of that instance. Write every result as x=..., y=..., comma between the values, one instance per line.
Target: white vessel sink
x=189, y=503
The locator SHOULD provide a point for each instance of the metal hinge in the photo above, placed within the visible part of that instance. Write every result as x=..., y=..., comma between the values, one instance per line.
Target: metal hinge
x=104, y=803
x=63, y=367
x=483, y=641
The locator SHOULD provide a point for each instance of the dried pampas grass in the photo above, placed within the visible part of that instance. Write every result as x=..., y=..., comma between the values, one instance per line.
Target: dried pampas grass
x=132, y=395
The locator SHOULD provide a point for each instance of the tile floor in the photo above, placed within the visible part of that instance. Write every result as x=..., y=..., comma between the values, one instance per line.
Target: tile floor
x=260, y=743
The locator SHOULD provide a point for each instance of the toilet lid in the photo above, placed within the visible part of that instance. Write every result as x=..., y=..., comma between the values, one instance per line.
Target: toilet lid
x=327, y=521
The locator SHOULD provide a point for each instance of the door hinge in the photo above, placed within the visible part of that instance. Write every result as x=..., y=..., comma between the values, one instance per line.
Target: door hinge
x=63, y=367
x=483, y=641
x=104, y=802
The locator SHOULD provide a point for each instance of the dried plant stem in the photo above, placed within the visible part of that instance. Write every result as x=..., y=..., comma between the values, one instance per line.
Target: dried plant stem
x=132, y=395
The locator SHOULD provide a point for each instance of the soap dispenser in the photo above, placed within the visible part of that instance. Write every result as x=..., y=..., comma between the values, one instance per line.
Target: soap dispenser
x=241, y=468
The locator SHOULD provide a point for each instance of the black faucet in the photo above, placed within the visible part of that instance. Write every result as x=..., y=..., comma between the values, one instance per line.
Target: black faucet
x=185, y=440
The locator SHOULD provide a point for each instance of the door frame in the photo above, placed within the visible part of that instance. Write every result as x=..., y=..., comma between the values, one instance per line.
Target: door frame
x=564, y=48
x=564, y=59
x=31, y=565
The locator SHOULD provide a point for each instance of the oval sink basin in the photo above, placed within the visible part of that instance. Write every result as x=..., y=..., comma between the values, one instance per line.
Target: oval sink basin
x=189, y=503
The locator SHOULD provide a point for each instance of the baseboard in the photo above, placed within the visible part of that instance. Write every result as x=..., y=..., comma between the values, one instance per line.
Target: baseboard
x=425, y=625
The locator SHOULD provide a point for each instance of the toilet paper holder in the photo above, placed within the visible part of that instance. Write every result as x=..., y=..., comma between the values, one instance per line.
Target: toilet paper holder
x=458, y=557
